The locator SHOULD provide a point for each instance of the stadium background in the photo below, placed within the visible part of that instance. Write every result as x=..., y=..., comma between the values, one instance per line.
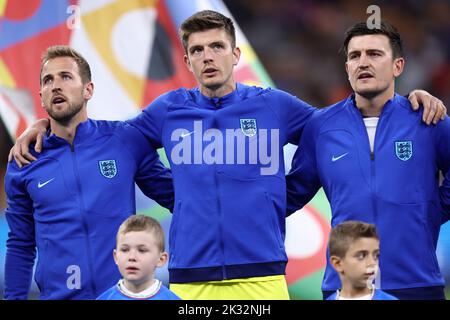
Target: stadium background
x=135, y=55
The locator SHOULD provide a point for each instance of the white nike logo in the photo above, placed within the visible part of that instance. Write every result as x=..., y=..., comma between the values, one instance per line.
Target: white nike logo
x=184, y=135
x=40, y=185
x=337, y=158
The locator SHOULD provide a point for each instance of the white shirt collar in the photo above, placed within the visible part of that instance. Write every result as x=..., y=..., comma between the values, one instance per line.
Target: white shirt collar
x=144, y=294
x=366, y=297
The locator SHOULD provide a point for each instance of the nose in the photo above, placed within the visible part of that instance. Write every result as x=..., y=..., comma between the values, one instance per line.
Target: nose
x=363, y=61
x=56, y=85
x=132, y=255
x=208, y=55
x=372, y=261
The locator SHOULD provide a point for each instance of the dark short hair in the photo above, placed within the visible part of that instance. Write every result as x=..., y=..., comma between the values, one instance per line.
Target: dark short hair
x=206, y=20
x=65, y=51
x=345, y=233
x=143, y=223
x=387, y=29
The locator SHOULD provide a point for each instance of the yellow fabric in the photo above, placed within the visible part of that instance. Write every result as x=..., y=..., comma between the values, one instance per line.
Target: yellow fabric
x=2, y=7
x=256, y=288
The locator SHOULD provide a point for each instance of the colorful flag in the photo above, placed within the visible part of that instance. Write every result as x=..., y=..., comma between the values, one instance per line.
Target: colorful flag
x=135, y=55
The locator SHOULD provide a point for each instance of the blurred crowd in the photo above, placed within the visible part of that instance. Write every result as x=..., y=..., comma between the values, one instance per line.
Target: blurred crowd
x=298, y=43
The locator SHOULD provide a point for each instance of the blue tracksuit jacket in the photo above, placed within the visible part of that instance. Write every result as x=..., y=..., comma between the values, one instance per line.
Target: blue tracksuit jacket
x=69, y=204
x=396, y=187
x=230, y=200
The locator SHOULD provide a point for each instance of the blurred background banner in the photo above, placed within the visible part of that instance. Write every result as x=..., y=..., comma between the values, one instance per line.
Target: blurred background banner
x=135, y=55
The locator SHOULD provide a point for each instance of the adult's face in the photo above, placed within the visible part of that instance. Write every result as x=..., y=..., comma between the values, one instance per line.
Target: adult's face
x=211, y=58
x=370, y=65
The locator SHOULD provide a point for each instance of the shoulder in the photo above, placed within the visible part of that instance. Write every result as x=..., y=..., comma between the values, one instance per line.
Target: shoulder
x=405, y=111
x=108, y=294
x=121, y=129
x=247, y=92
x=326, y=115
x=168, y=294
x=16, y=174
x=274, y=94
x=335, y=108
x=14, y=177
x=381, y=295
x=178, y=96
x=404, y=108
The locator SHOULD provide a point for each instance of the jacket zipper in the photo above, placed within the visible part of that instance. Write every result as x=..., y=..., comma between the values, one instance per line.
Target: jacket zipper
x=219, y=208
x=83, y=220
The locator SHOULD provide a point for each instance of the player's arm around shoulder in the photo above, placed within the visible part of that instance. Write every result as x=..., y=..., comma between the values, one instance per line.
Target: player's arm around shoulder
x=292, y=112
x=151, y=120
x=152, y=177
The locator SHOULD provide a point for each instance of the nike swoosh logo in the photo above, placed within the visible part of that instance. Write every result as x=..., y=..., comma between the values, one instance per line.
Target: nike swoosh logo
x=40, y=185
x=184, y=135
x=339, y=157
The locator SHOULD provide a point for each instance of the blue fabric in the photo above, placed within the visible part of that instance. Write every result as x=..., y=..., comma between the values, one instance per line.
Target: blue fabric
x=400, y=196
x=378, y=295
x=114, y=293
x=229, y=218
x=69, y=206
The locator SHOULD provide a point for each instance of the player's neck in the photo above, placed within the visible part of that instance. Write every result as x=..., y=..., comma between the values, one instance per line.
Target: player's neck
x=218, y=92
x=67, y=130
x=372, y=106
x=138, y=287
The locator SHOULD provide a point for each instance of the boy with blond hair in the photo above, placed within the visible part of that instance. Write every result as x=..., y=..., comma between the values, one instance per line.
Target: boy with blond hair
x=139, y=250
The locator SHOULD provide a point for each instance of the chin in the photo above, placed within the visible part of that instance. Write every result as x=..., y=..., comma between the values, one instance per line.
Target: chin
x=368, y=93
x=213, y=85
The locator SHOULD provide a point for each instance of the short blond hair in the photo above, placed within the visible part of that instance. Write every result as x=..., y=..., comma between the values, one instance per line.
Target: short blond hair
x=143, y=223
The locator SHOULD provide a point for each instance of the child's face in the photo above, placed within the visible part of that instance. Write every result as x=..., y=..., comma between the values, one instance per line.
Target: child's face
x=360, y=262
x=137, y=256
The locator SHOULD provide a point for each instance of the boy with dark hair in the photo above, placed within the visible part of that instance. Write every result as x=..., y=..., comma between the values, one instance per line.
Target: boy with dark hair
x=354, y=249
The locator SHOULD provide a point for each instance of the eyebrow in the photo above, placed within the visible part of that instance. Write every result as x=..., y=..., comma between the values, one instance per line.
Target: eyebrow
x=61, y=73
x=368, y=50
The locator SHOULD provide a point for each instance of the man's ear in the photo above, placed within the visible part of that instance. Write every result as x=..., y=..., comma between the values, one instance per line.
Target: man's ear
x=187, y=62
x=88, y=91
x=236, y=55
x=42, y=102
x=399, y=65
x=346, y=70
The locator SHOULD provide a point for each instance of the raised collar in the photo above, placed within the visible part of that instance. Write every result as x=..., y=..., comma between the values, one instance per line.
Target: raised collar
x=84, y=130
x=218, y=102
x=387, y=108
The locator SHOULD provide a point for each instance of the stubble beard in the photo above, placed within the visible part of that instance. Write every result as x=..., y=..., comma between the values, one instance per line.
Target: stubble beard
x=65, y=117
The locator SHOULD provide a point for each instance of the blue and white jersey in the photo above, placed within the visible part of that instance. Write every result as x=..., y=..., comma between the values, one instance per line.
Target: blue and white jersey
x=157, y=291
x=376, y=294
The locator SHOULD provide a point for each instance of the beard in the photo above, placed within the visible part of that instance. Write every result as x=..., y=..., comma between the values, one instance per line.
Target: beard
x=65, y=116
